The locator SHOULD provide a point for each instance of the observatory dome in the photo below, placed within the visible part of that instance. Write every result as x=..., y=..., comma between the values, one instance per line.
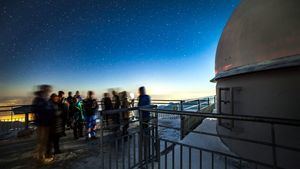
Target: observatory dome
x=259, y=32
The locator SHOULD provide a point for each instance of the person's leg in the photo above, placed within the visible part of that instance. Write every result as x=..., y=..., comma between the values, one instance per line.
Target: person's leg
x=56, y=145
x=39, y=149
x=126, y=126
x=75, y=130
x=115, y=122
x=118, y=120
x=146, y=138
x=49, y=144
x=45, y=139
x=88, y=126
x=64, y=127
x=93, y=126
x=64, y=123
x=80, y=129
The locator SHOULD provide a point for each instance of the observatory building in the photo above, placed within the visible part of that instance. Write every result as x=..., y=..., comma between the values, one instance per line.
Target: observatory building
x=258, y=73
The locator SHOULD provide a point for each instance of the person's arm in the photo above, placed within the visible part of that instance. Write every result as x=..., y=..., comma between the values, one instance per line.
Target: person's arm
x=95, y=106
x=148, y=100
x=139, y=102
x=102, y=104
x=84, y=108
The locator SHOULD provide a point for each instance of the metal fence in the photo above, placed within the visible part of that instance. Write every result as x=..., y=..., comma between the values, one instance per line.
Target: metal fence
x=144, y=148
x=11, y=119
x=168, y=104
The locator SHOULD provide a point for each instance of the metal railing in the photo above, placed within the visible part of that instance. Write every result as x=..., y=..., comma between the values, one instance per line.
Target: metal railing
x=144, y=147
x=9, y=121
x=168, y=104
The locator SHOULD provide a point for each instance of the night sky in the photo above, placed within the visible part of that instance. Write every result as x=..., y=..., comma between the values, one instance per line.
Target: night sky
x=168, y=46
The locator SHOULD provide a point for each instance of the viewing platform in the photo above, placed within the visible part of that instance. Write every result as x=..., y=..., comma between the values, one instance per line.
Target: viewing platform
x=162, y=145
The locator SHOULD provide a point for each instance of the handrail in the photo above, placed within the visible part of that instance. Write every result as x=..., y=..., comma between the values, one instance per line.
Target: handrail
x=153, y=100
x=172, y=100
x=272, y=120
x=262, y=119
x=207, y=115
x=116, y=111
x=17, y=105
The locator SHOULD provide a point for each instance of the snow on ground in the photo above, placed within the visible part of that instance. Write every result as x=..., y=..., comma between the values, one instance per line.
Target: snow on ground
x=191, y=158
x=169, y=133
x=205, y=141
x=202, y=141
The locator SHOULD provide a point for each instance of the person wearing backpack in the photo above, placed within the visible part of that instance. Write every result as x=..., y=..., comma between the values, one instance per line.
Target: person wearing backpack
x=125, y=104
x=90, y=108
x=77, y=95
x=69, y=113
x=107, y=105
x=78, y=118
x=43, y=120
x=116, y=105
x=57, y=125
x=64, y=106
x=144, y=101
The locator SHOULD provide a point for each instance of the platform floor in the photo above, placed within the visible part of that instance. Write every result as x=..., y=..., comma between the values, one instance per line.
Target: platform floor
x=80, y=154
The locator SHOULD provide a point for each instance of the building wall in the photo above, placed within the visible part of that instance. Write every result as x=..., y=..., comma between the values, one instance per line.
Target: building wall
x=272, y=93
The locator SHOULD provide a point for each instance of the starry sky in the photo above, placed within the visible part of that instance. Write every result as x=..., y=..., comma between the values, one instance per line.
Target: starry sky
x=167, y=46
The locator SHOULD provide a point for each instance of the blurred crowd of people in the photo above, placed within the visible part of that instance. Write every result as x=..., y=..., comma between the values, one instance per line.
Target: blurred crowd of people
x=56, y=113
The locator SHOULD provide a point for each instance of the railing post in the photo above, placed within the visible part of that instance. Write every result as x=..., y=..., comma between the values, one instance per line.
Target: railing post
x=157, y=141
x=208, y=101
x=199, y=104
x=181, y=121
x=11, y=119
x=101, y=139
x=26, y=120
x=140, y=139
x=181, y=105
x=274, y=146
x=214, y=99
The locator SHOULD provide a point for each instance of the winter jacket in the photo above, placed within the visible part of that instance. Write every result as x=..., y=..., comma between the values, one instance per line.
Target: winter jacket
x=144, y=100
x=107, y=104
x=41, y=110
x=90, y=106
x=78, y=112
x=58, y=125
x=117, y=102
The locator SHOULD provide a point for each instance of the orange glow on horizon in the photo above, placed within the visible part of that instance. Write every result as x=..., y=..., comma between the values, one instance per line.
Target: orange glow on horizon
x=15, y=117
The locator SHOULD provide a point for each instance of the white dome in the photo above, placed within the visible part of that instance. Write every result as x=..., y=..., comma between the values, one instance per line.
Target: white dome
x=258, y=31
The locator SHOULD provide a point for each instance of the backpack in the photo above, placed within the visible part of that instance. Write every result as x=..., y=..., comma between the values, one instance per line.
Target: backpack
x=90, y=106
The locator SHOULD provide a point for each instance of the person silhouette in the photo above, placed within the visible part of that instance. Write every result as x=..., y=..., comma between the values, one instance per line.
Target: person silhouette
x=90, y=108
